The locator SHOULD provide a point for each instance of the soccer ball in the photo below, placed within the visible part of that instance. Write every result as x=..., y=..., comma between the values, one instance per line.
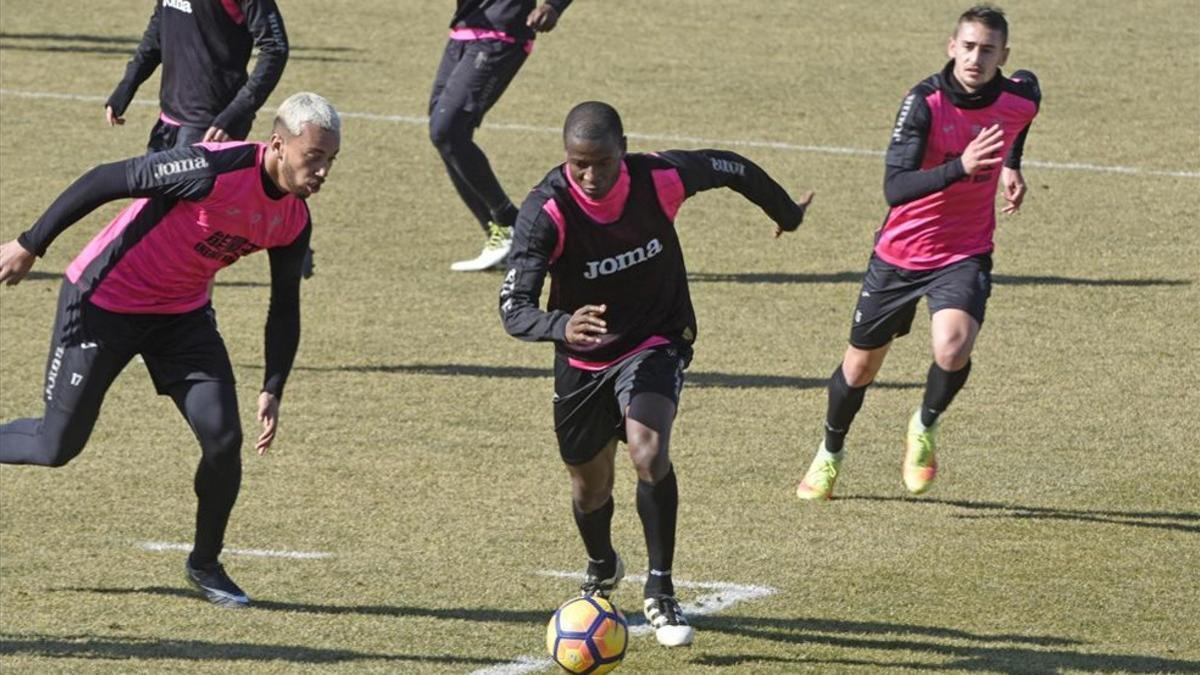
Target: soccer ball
x=587, y=636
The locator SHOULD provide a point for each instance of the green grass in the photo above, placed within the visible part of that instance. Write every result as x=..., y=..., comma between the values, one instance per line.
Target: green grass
x=1062, y=536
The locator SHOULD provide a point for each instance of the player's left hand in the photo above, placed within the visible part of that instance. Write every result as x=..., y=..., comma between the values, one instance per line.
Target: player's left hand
x=1014, y=189
x=543, y=19
x=803, y=204
x=215, y=135
x=268, y=414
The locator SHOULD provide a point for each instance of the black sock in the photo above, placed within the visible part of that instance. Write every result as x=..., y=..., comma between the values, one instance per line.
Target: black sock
x=940, y=388
x=657, y=505
x=216, y=485
x=844, y=402
x=507, y=215
x=596, y=530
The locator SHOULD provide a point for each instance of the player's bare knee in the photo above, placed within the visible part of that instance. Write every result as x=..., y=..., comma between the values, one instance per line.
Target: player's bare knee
x=952, y=353
x=588, y=498
x=858, y=372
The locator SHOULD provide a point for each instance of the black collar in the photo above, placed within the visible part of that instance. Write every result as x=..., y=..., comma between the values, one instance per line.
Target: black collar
x=961, y=98
x=273, y=191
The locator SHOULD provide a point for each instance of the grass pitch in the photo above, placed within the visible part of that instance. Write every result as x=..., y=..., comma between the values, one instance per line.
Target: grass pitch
x=415, y=447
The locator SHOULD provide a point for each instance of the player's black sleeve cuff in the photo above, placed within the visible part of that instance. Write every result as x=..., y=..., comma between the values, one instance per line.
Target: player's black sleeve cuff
x=23, y=240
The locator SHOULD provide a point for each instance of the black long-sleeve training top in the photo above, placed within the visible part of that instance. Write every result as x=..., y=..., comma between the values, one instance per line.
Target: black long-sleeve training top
x=204, y=47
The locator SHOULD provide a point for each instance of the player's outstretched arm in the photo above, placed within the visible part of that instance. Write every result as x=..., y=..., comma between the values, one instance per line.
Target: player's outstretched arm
x=91, y=190
x=700, y=170
x=180, y=173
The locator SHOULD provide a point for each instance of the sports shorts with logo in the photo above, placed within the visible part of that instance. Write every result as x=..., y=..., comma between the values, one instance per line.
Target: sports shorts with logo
x=888, y=299
x=90, y=346
x=589, y=406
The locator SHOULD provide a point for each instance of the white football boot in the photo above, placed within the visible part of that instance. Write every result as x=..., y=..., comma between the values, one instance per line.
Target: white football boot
x=494, y=252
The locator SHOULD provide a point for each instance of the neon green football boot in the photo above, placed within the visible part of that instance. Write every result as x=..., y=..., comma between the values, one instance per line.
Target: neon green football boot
x=822, y=474
x=920, y=462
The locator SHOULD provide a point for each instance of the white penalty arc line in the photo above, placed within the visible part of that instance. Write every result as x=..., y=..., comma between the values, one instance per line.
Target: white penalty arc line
x=669, y=138
x=720, y=595
x=253, y=552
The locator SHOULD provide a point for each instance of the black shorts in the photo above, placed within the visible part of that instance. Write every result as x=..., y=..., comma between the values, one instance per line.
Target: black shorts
x=472, y=76
x=589, y=406
x=90, y=346
x=888, y=300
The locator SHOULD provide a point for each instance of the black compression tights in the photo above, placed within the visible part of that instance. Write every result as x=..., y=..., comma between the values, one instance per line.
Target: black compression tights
x=452, y=134
x=212, y=412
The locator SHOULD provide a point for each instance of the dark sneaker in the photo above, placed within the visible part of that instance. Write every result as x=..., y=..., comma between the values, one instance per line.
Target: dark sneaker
x=663, y=614
x=215, y=584
x=594, y=585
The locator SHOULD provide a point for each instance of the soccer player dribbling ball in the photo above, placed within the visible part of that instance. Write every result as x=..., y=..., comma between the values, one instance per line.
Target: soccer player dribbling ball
x=958, y=134
x=141, y=287
x=602, y=226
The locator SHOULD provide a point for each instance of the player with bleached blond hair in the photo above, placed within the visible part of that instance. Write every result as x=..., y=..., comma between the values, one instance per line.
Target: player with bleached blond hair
x=141, y=287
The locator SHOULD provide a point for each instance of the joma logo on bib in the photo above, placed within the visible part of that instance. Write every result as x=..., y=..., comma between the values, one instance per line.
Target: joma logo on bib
x=607, y=266
x=178, y=166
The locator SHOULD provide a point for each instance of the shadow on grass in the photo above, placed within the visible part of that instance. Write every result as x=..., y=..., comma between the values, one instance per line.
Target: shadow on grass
x=1160, y=520
x=141, y=648
x=39, y=275
x=121, y=51
x=992, y=652
x=693, y=379
x=132, y=40
x=855, y=277
x=129, y=43
x=478, y=614
x=993, y=655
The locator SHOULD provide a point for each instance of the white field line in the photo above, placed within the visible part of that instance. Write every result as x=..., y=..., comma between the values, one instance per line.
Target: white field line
x=721, y=595
x=669, y=138
x=255, y=552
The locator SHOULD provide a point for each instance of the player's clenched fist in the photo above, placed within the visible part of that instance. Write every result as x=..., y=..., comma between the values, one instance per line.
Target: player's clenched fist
x=585, y=325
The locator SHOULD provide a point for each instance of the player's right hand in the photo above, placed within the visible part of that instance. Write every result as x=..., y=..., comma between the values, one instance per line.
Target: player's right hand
x=803, y=204
x=542, y=19
x=981, y=151
x=112, y=117
x=585, y=325
x=15, y=262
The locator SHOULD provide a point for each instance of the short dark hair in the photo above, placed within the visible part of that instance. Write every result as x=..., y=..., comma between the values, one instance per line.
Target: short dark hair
x=593, y=121
x=988, y=15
